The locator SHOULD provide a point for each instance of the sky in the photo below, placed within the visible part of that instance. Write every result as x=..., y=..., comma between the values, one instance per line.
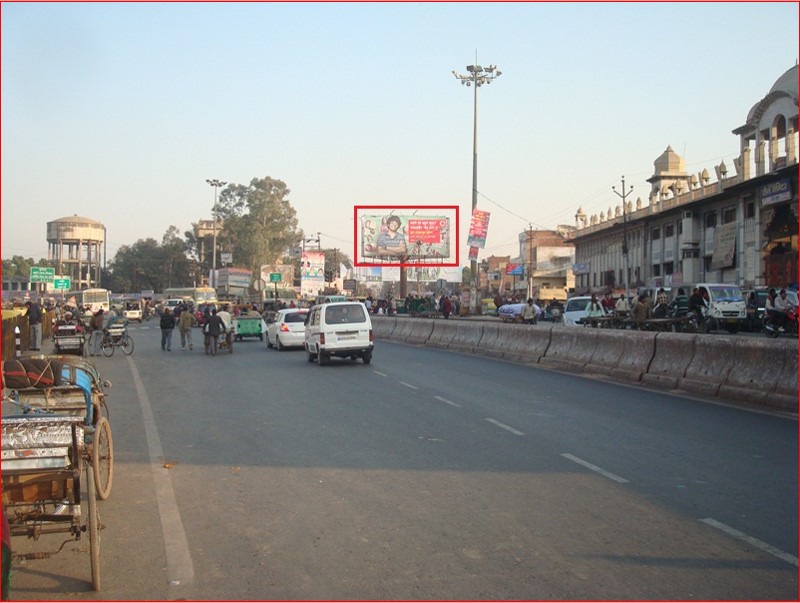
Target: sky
x=120, y=112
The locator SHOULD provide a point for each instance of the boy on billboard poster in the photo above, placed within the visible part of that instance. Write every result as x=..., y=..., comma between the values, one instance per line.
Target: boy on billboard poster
x=392, y=243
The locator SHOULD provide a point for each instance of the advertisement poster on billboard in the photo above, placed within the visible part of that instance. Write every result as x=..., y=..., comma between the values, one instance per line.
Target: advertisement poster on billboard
x=478, y=228
x=389, y=235
x=312, y=273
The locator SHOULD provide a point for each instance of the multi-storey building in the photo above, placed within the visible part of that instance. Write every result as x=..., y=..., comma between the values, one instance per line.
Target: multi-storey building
x=739, y=226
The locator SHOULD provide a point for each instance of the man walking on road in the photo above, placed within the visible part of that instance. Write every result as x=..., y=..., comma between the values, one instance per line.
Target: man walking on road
x=185, y=327
x=167, y=326
x=35, y=322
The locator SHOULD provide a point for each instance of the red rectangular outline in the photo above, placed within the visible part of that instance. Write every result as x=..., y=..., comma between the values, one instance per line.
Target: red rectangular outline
x=356, y=229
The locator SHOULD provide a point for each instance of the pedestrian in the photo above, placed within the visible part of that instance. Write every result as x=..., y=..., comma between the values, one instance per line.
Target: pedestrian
x=185, y=323
x=445, y=306
x=97, y=324
x=529, y=315
x=660, y=307
x=640, y=311
x=35, y=322
x=621, y=307
x=608, y=303
x=211, y=331
x=167, y=326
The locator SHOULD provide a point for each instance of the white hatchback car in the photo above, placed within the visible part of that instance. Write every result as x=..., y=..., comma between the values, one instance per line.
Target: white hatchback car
x=576, y=309
x=288, y=329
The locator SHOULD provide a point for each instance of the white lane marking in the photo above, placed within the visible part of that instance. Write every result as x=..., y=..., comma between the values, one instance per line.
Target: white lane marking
x=759, y=544
x=447, y=401
x=408, y=385
x=180, y=570
x=506, y=427
x=609, y=475
x=380, y=373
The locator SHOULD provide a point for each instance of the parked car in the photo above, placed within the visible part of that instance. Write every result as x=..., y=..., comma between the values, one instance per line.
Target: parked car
x=342, y=329
x=576, y=309
x=288, y=329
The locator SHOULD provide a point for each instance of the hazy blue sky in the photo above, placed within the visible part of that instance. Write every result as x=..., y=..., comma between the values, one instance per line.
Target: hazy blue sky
x=120, y=112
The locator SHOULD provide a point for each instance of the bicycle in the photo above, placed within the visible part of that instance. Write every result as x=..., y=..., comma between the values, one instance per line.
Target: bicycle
x=116, y=336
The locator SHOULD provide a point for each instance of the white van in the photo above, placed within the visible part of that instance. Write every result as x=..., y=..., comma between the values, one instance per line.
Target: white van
x=341, y=329
x=725, y=303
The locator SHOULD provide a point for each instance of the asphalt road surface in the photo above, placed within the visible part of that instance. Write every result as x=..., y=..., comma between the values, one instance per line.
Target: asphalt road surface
x=424, y=475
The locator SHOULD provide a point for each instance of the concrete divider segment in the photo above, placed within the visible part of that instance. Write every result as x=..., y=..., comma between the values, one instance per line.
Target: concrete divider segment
x=491, y=334
x=442, y=333
x=710, y=365
x=673, y=353
x=402, y=329
x=467, y=336
x=758, y=364
x=420, y=330
x=570, y=348
x=622, y=354
x=530, y=344
x=382, y=326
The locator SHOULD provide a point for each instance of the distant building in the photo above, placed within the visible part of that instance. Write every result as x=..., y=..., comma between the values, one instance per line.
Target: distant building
x=739, y=226
x=77, y=246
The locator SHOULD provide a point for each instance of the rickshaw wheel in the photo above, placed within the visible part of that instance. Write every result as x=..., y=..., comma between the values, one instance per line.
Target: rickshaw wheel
x=107, y=346
x=127, y=345
x=94, y=529
x=103, y=458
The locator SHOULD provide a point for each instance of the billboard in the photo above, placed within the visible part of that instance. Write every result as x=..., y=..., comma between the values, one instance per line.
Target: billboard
x=312, y=272
x=394, y=235
x=478, y=228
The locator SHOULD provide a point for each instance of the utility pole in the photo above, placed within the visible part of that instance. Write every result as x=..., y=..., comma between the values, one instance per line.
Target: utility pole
x=625, y=267
x=530, y=261
x=478, y=76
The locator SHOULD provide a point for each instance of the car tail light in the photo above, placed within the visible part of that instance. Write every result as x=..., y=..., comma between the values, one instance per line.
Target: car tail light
x=284, y=328
x=322, y=339
x=371, y=339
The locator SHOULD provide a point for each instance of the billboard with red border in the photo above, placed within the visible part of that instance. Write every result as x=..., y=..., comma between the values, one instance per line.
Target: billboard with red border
x=406, y=235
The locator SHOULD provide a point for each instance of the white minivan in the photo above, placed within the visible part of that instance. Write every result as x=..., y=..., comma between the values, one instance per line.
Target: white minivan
x=341, y=329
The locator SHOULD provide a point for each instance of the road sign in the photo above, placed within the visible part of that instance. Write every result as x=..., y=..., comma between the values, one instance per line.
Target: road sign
x=62, y=283
x=275, y=277
x=42, y=275
x=349, y=284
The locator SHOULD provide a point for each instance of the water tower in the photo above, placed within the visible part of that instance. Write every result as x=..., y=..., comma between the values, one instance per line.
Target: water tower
x=77, y=245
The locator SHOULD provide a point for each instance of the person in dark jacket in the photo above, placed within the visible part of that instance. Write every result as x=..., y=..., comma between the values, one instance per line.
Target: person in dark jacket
x=35, y=322
x=167, y=326
x=212, y=330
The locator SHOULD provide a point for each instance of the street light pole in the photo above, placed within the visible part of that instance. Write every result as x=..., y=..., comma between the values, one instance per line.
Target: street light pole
x=216, y=184
x=478, y=76
x=625, y=267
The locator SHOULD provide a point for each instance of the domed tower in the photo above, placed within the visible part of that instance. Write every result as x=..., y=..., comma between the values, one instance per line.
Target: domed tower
x=669, y=175
x=78, y=247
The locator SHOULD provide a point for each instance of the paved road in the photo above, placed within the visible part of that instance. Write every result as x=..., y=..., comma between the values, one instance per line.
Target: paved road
x=426, y=475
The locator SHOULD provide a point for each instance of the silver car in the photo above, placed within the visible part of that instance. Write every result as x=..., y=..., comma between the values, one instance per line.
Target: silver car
x=288, y=329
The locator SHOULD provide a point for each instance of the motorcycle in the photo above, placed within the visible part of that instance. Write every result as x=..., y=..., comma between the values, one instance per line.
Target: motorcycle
x=771, y=329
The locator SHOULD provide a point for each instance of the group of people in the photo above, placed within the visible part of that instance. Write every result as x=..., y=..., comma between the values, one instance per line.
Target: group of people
x=216, y=323
x=776, y=308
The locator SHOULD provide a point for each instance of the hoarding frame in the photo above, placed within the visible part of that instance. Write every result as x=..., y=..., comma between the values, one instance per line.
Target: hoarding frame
x=361, y=209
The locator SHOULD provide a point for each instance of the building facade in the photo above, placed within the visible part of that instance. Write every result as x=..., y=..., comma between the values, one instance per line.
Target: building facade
x=738, y=226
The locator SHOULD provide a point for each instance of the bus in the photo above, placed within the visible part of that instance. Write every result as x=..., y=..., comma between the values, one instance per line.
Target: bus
x=198, y=295
x=91, y=298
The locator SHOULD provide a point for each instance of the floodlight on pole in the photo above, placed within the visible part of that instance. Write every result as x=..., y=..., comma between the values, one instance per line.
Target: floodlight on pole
x=477, y=77
x=625, y=192
x=216, y=184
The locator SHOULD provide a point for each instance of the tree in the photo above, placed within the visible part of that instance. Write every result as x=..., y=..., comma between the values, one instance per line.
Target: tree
x=259, y=223
x=146, y=264
x=21, y=267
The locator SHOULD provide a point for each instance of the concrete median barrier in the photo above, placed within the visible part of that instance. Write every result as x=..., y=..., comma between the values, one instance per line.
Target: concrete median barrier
x=383, y=326
x=710, y=365
x=673, y=353
x=622, y=354
x=570, y=348
x=530, y=344
x=489, y=341
x=442, y=334
x=467, y=337
x=760, y=374
x=402, y=330
x=420, y=331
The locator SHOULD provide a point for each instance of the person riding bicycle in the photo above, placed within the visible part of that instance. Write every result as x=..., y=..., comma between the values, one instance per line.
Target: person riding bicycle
x=680, y=305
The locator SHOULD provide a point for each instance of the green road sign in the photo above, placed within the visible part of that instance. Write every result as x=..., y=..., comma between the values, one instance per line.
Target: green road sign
x=42, y=275
x=275, y=277
x=62, y=283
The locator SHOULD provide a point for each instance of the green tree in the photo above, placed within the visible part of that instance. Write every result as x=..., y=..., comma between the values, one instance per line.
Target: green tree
x=260, y=225
x=148, y=264
x=20, y=266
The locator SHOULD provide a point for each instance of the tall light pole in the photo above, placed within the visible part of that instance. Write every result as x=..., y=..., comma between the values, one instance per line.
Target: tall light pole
x=625, y=268
x=216, y=184
x=478, y=76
